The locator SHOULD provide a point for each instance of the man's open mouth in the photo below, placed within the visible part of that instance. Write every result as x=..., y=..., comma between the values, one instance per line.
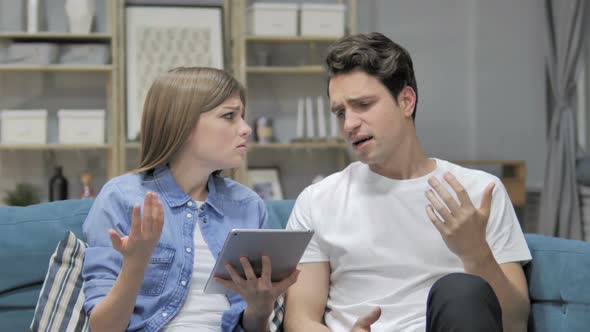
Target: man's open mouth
x=362, y=140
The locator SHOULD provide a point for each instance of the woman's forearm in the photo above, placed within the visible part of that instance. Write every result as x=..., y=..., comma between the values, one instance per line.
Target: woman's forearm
x=114, y=311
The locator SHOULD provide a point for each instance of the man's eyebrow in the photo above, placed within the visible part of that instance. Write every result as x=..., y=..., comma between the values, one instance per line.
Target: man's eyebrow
x=336, y=107
x=361, y=98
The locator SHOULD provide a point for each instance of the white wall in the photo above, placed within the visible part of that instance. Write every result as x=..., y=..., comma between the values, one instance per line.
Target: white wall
x=480, y=71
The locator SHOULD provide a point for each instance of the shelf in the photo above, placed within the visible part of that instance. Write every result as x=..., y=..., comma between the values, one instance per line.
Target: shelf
x=291, y=39
x=132, y=145
x=289, y=146
x=286, y=70
x=54, y=146
x=58, y=36
x=57, y=68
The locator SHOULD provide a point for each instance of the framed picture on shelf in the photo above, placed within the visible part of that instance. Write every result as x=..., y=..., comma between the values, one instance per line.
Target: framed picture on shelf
x=161, y=37
x=265, y=182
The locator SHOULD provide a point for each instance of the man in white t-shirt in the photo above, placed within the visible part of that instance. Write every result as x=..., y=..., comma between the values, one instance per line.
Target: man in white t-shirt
x=402, y=242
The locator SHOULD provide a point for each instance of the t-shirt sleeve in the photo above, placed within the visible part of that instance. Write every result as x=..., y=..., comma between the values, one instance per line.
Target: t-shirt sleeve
x=504, y=234
x=102, y=263
x=301, y=219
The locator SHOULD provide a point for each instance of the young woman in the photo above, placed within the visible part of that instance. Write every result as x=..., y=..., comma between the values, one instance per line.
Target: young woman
x=154, y=234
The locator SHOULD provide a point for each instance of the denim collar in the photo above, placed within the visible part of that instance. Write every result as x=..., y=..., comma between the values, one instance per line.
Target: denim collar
x=175, y=196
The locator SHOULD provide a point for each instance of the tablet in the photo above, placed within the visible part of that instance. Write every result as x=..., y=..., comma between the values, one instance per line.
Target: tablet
x=284, y=247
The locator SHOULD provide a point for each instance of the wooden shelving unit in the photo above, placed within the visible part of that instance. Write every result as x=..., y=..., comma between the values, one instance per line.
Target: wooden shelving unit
x=54, y=147
x=290, y=39
x=112, y=83
x=285, y=70
x=57, y=68
x=242, y=70
x=55, y=36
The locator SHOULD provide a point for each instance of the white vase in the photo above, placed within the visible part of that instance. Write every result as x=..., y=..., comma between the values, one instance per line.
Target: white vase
x=80, y=14
x=32, y=16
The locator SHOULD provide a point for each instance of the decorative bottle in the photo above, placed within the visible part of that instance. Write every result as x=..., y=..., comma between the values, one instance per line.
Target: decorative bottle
x=58, y=186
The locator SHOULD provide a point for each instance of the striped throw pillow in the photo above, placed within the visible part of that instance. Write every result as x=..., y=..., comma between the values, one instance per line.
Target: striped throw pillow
x=61, y=302
x=276, y=318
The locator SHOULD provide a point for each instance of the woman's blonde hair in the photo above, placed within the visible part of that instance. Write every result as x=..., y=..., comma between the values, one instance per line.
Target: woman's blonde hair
x=172, y=108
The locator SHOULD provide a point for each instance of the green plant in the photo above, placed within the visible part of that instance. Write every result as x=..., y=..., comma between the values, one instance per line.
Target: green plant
x=23, y=194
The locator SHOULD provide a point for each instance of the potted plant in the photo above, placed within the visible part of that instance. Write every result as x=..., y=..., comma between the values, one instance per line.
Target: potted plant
x=24, y=194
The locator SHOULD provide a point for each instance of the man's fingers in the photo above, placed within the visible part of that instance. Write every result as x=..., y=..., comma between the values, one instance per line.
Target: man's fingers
x=486, y=200
x=438, y=205
x=462, y=195
x=368, y=320
x=436, y=221
x=446, y=196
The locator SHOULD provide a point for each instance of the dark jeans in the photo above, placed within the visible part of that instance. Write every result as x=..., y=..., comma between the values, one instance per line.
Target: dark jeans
x=460, y=302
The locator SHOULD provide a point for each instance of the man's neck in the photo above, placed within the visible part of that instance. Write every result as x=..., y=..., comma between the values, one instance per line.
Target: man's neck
x=409, y=162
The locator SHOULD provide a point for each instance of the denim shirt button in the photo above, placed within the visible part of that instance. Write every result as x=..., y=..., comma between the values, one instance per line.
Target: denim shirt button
x=183, y=282
x=190, y=203
x=188, y=249
x=188, y=215
x=165, y=314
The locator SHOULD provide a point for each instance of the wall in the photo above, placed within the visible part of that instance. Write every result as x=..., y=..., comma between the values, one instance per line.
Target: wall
x=480, y=72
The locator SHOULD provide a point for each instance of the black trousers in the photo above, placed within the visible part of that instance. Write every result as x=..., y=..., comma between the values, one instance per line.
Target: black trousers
x=460, y=302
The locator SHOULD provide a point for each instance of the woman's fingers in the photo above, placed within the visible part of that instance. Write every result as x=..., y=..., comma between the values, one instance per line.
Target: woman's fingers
x=116, y=240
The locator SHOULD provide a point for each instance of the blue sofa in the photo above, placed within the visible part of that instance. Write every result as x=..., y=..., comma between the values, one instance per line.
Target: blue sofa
x=558, y=276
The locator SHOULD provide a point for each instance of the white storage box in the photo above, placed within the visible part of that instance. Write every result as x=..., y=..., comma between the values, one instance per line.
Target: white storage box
x=81, y=126
x=322, y=19
x=33, y=53
x=85, y=54
x=23, y=126
x=273, y=19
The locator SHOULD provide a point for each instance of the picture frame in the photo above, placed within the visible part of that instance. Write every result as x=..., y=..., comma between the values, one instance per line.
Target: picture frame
x=162, y=37
x=266, y=183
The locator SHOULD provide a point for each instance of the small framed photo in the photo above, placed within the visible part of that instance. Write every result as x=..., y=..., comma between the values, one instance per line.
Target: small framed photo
x=265, y=182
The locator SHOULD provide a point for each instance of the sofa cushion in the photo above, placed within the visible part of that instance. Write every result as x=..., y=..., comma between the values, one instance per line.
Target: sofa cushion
x=279, y=212
x=559, y=284
x=61, y=303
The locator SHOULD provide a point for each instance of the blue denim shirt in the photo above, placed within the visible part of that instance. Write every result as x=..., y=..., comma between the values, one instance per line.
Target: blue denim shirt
x=229, y=205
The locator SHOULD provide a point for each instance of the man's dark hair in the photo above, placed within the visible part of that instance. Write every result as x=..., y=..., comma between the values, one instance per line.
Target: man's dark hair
x=376, y=55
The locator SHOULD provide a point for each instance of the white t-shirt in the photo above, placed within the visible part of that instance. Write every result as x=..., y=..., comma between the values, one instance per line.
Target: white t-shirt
x=383, y=249
x=200, y=311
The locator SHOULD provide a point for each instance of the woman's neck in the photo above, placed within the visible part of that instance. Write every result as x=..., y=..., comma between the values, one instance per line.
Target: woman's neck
x=191, y=178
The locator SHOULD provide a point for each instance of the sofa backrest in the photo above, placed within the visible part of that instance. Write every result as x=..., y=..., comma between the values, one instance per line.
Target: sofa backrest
x=28, y=237
x=558, y=276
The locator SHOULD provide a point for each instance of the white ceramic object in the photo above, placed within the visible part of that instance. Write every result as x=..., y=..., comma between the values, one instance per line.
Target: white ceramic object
x=80, y=14
x=32, y=16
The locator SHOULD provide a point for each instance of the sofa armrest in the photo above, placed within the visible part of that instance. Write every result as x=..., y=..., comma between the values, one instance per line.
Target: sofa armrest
x=559, y=284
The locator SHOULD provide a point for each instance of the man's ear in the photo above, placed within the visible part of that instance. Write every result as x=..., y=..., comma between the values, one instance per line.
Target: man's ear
x=407, y=100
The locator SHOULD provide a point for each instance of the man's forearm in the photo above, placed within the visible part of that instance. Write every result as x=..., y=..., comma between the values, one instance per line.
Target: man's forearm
x=514, y=303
